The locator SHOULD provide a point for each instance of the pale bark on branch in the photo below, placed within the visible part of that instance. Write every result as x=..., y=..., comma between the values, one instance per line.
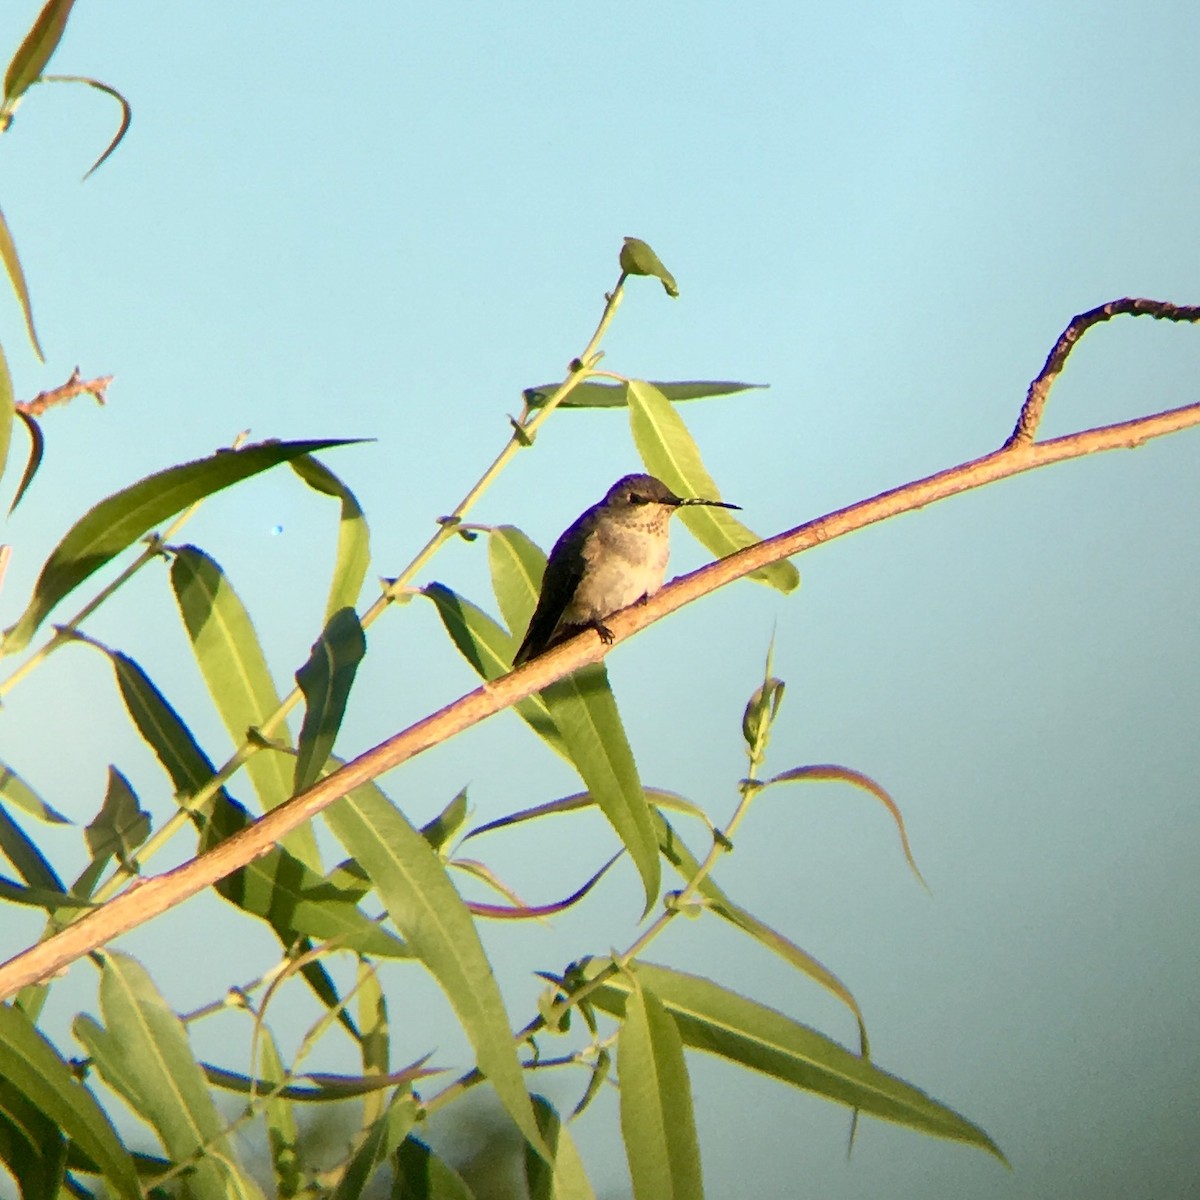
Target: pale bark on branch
x=149, y=897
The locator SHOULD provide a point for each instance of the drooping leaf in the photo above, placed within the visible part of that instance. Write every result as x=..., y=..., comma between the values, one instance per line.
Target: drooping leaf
x=15, y=791
x=712, y=1018
x=30, y=1064
x=446, y=825
x=235, y=670
x=7, y=406
x=353, y=543
x=594, y=393
x=142, y=1052
x=382, y=1139
x=35, y=50
x=438, y=929
x=37, y=446
x=678, y=855
x=564, y=1178
x=22, y=851
x=831, y=772
x=585, y=713
x=120, y=826
x=283, y=1130
x=374, y=1041
x=12, y=266
x=126, y=113
x=638, y=259
x=669, y=452
x=657, y=1122
x=326, y=680
x=489, y=650
x=118, y=521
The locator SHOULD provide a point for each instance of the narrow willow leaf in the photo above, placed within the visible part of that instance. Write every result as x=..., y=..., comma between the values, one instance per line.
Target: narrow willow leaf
x=326, y=680
x=118, y=521
x=489, y=650
x=7, y=408
x=435, y=923
x=591, y=393
x=354, y=539
x=678, y=855
x=517, y=565
x=15, y=791
x=712, y=1018
x=638, y=259
x=23, y=853
x=120, y=826
x=34, y=52
x=326, y=1087
x=422, y=1175
x=12, y=265
x=235, y=671
x=382, y=1139
x=126, y=113
x=38, y=897
x=31, y=1146
x=142, y=1053
x=283, y=1131
x=445, y=826
x=374, y=1040
x=830, y=772
x=657, y=1121
x=585, y=713
x=565, y=1178
x=30, y=1064
x=37, y=446
x=669, y=452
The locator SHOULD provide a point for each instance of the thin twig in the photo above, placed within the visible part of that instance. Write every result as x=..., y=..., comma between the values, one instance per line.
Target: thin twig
x=75, y=386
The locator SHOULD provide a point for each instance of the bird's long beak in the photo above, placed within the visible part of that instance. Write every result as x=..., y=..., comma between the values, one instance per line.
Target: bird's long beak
x=710, y=503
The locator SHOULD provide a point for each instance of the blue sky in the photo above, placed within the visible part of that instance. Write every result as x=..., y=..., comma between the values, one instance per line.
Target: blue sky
x=384, y=222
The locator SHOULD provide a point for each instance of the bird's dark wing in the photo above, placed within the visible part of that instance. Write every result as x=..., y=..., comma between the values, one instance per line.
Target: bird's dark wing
x=564, y=570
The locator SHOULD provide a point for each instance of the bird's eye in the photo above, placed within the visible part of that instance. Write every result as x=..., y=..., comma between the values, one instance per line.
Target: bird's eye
x=636, y=498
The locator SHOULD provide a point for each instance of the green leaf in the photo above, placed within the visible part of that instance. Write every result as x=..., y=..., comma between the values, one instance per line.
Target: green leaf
x=143, y=1054
x=354, y=541
x=283, y=1131
x=31, y=1146
x=445, y=826
x=565, y=1178
x=712, y=1018
x=383, y=1138
x=7, y=408
x=120, y=826
x=489, y=650
x=517, y=565
x=657, y=1122
x=126, y=113
x=374, y=1041
x=30, y=1064
x=431, y=916
x=235, y=671
x=326, y=680
x=17, y=792
x=118, y=521
x=24, y=854
x=37, y=445
x=638, y=259
x=12, y=265
x=422, y=1175
x=670, y=453
x=678, y=855
x=592, y=393
x=830, y=772
x=585, y=714
x=34, y=52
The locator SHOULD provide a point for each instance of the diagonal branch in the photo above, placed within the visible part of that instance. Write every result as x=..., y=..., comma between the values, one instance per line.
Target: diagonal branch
x=149, y=897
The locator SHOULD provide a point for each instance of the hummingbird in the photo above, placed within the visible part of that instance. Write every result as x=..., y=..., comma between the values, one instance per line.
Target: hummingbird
x=612, y=556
